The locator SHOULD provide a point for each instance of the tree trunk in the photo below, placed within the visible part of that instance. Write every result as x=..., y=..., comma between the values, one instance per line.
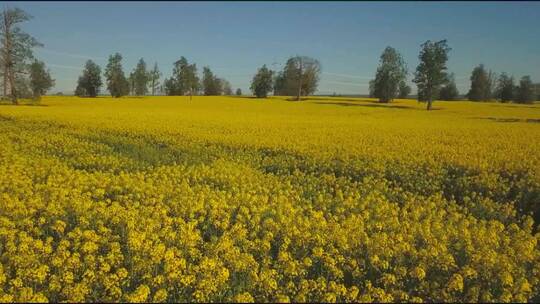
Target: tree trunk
x=300, y=81
x=5, y=54
x=429, y=97
x=12, y=85
x=299, y=88
x=8, y=61
x=5, y=80
x=11, y=75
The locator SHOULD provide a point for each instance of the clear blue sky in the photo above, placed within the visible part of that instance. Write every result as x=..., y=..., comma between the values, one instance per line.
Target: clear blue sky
x=235, y=38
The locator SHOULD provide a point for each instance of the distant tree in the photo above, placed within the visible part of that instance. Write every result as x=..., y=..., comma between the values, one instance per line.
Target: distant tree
x=131, y=81
x=238, y=92
x=301, y=75
x=154, y=76
x=261, y=84
x=169, y=86
x=184, y=79
x=422, y=95
x=404, y=90
x=141, y=77
x=208, y=82
x=227, y=89
x=390, y=74
x=16, y=49
x=211, y=84
x=372, y=88
x=449, y=91
x=505, y=88
x=117, y=83
x=89, y=82
x=23, y=87
x=80, y=91
x=40, y=79
x=175, y=85
x=492, y=85
x=190, y=80
x=481, y=84
x=525, y=91
x=431, y=74
x=280, y=87
x=218, y=85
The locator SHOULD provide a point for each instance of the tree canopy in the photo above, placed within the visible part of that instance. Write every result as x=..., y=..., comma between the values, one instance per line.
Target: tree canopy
x=391, y=72
x=212, y=85
x=404, y=90
x=17, y=50
x=89, y=83
x=117, y=83
x=525, y=91
x=40, y=79
x=300, y=76
x=505, y=88
x=431, y=73
x=262, y=82
x=227, y=88
x=481, y=84
x=449, y=91
x=141, y=78
x=184, y=79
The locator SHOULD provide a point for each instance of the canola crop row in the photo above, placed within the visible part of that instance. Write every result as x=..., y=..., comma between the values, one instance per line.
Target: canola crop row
x=232, y=199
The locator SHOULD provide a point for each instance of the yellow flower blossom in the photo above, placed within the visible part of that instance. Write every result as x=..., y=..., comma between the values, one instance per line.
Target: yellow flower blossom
x=158, y=199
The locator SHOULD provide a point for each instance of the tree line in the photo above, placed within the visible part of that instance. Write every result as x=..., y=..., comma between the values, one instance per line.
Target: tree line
x=301, y=74
x=486, y=86
x=24, y=76
x=434, y=81
x=141, y=81
x=299, y=77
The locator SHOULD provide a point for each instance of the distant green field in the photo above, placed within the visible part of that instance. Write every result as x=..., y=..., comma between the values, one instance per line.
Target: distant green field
x=243, y=199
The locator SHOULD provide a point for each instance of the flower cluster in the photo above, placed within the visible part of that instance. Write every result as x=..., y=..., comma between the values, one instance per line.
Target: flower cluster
x=222, y=199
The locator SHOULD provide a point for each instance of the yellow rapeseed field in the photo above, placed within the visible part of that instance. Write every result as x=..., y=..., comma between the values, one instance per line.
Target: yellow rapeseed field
x=240, y=199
